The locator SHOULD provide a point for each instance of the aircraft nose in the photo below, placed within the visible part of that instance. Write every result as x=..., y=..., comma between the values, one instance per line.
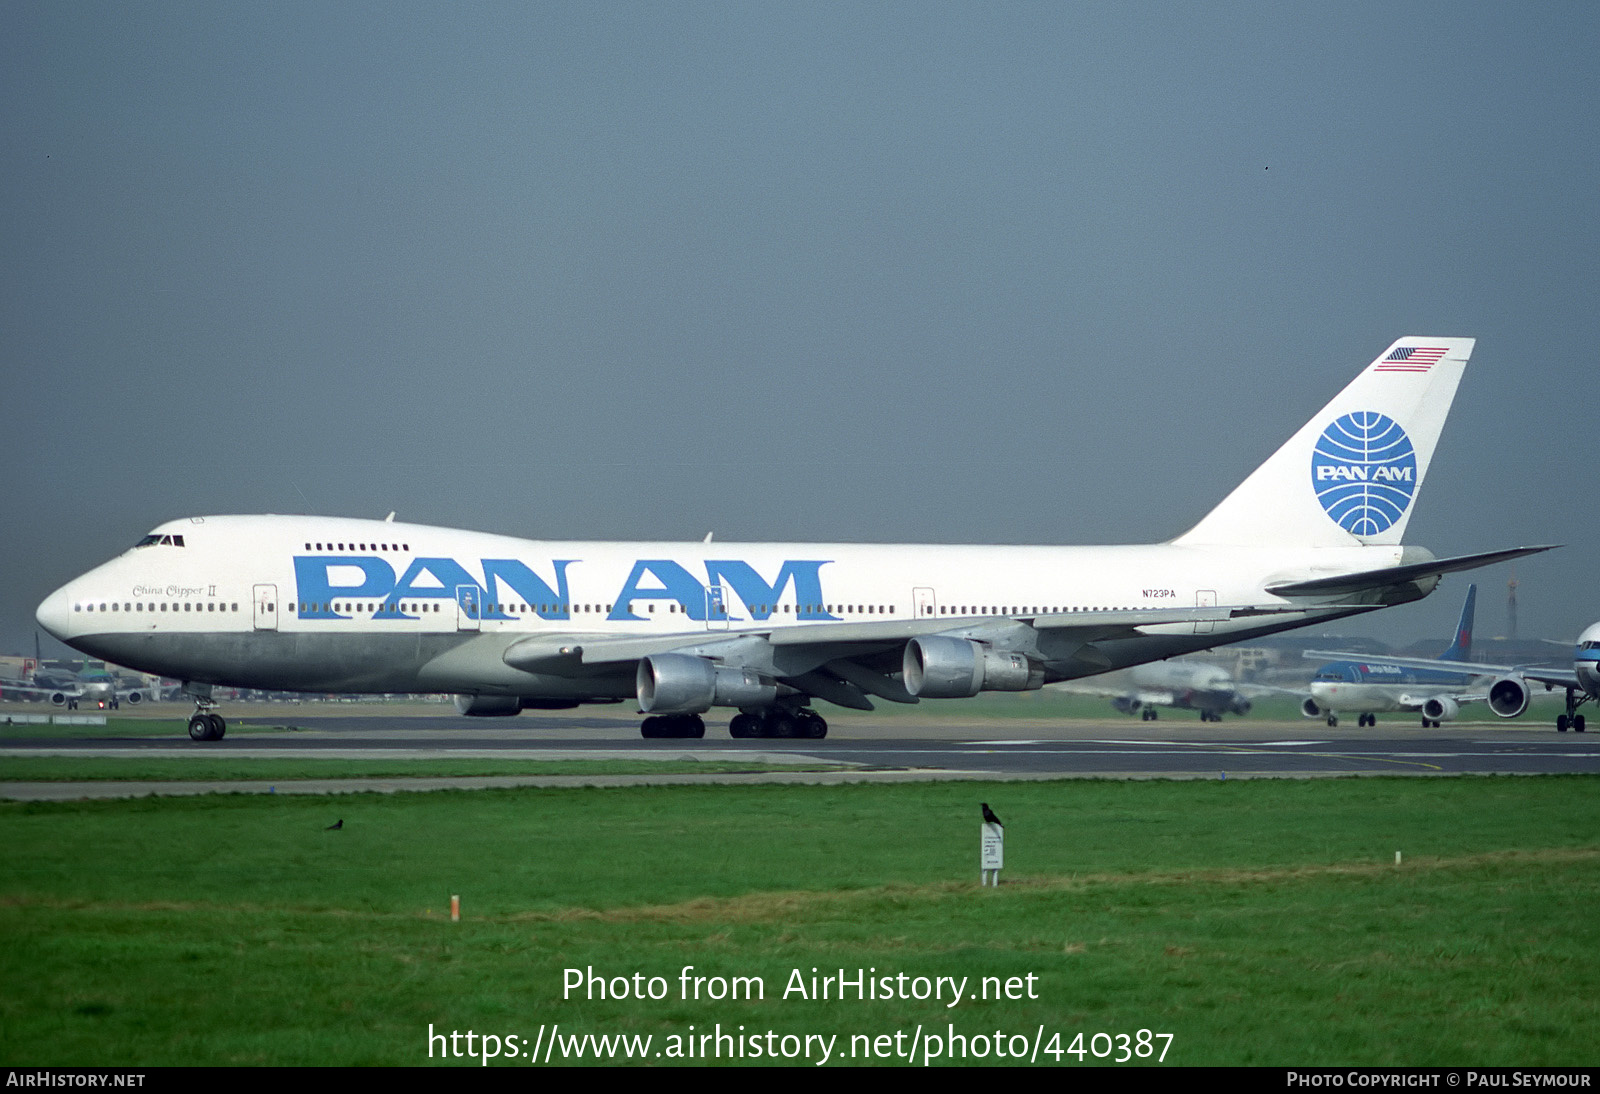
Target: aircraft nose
x=55, y=614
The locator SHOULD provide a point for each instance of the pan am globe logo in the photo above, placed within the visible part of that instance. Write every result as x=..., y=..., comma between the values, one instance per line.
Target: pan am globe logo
x=1364, y=472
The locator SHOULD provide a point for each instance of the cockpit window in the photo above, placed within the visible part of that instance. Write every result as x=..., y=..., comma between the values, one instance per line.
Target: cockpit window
x=153, y=540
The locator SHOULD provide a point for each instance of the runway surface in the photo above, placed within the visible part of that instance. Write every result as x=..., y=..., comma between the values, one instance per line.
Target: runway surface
x=1013, y=748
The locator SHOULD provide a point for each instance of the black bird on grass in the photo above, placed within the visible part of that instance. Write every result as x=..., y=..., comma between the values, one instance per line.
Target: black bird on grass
x=338, y=824
x=989, y=817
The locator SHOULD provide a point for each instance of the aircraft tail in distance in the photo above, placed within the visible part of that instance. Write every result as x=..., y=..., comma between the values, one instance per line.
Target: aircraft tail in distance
x=1461, y=646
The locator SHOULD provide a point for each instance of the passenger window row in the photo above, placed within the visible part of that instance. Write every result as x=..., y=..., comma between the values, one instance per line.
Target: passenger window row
x=141, y=606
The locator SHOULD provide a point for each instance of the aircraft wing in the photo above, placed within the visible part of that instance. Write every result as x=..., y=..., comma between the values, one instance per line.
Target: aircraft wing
x=844, y=661
x=13, y=687
x=1340, y=584
x=543, y=653
x=1257, y=691
x=1417, y=702
x=1544, y=674
x=1162, y=697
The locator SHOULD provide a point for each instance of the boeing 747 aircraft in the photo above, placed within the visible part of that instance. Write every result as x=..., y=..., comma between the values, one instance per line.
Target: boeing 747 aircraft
x=333, y=604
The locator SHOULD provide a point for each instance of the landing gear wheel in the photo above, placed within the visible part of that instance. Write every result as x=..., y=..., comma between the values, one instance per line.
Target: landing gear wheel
x=1577, y=723
x=659, y=726
x=1561, y=723
x=206, y=727
x=1333, y=720
x=813, y=725
x=743, y=726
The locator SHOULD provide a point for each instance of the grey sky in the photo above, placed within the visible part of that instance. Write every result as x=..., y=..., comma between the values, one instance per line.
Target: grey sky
x=955, y=273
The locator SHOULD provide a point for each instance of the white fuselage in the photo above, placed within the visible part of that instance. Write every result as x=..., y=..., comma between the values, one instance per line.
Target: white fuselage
x=310, y=603
x=1366, y=698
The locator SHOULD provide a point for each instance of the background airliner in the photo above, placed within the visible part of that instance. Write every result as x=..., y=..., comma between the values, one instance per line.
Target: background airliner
x=1510, y=687
x=332, y=604
x=1182, y=685
x=92, y=685
x=1366, y=686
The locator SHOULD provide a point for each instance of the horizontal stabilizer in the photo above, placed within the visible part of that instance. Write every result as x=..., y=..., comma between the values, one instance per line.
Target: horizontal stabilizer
x=1340, y=584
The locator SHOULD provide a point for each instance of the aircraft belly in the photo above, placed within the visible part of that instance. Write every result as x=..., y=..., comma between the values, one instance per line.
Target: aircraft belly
x=276, y=660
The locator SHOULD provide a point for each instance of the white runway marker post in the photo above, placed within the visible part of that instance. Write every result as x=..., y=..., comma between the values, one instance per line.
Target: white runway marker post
x=992, y=853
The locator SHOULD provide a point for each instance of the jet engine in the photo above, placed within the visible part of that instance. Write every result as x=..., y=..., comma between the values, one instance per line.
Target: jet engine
x=134, y=698
x=1508, y=696
x=940, y=667
x=488, y=706
x=680, y=683
x=1441, y=708
x=1125, y=704
x=58, y=698
x=1309, y=709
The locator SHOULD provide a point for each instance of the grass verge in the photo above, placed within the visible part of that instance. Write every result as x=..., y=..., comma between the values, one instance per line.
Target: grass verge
x=1258, y=921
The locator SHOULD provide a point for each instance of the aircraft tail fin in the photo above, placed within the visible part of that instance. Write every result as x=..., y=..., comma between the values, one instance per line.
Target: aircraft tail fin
x=1461, y=648
x=1350, y=476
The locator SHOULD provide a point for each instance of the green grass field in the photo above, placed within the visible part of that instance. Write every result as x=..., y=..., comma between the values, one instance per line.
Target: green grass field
x=1256, y=921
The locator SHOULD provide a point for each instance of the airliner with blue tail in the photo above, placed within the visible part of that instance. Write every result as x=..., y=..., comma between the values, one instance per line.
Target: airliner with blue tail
x=1509, y=688
x=1366, y=687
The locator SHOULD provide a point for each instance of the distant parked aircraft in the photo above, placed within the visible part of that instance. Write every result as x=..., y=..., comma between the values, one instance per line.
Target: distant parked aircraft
x=1367, y=686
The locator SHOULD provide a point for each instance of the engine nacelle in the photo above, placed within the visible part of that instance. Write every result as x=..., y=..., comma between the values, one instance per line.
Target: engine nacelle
x=58, y=698
x=1508, y=696
x=1126, y=704
x=488, y=706
x=133, y=698
x=940, y=667
x=1441, y=708
x=1309, y=709
x=680, y=683
x=1240, y=705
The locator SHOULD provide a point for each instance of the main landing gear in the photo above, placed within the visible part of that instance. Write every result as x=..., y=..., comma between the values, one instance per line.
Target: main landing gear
x=779, y=722
x=203, y=724
x=672, y=725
